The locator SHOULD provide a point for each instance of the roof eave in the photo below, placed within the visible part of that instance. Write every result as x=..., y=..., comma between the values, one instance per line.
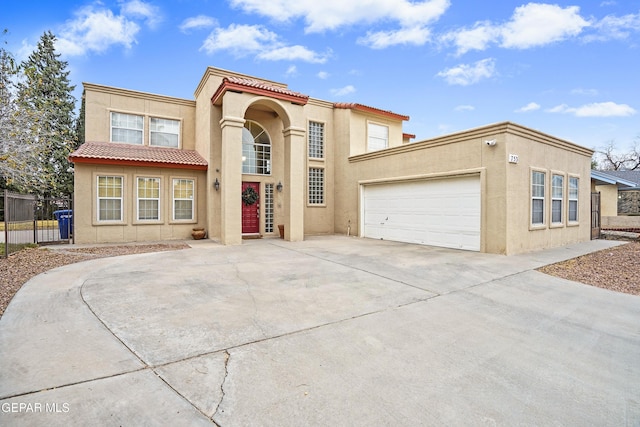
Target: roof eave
x=228, y=86
x=139, y=163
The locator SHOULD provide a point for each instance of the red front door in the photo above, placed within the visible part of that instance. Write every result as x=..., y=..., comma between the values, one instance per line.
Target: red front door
x=250, y=211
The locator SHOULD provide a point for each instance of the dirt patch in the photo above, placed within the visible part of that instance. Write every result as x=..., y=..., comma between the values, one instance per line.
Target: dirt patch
x=617, y=269
x=21, y=266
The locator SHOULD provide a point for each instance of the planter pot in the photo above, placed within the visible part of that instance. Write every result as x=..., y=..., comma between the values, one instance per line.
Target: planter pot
x=198, y=233
x=281, y=230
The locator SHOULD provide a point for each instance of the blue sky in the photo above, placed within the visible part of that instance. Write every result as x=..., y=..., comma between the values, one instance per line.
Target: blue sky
x=567, y=68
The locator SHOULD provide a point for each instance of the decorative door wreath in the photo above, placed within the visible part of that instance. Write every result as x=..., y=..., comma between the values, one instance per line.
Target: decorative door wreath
x=249, y=196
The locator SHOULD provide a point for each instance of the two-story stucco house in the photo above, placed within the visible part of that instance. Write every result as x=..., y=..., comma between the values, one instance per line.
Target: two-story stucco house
x=248, y=155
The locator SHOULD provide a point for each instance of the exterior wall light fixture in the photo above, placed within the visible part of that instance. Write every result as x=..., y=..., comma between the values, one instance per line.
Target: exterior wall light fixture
x=216, y=184
x=279, y=187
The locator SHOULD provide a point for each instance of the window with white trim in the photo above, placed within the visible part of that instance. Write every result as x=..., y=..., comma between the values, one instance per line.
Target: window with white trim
x=573, y=198
x=148, y=198
x=316, y=140
x=268, y=208
x=537, y=197
x=110, y=190
x=164, y=132
x=557, y=198
x=183, y=192
x=256, y=149
x=127, y=128
x=378, y=137
x=316, y=186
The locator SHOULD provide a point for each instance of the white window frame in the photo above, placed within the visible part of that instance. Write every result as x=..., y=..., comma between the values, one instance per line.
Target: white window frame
x=147, y=198
x=573, y=199
x=377, y=136
x=316, y=186
x=175, y=199
x=100, y=198
x=316, y=137
x=251, y=151
x=536, y=197
x=128, y=129
x=154, y=122
x=557, y=198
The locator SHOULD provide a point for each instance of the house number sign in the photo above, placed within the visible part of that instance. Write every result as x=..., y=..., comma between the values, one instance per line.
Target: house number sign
x=513, y=158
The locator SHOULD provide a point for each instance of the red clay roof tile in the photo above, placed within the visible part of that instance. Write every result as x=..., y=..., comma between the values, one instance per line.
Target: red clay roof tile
x=367, y=109
x=258, y=87
x=137, y=155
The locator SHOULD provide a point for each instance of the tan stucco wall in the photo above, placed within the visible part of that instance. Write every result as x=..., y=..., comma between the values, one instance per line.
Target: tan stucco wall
x=87, y=229
x=541, y=152
x=608, y=199
x=505, y=186
x=100, y=101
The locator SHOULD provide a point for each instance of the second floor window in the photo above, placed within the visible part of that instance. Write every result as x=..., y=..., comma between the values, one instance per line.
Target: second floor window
x=256, y=150
x=127, y=128
x=164, y=132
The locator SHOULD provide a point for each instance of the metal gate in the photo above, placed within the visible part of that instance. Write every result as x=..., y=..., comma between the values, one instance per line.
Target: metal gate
x=595, y=215
x=26, y=220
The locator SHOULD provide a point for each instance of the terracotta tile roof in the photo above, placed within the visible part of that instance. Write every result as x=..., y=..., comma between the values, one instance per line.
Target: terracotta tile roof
x=137, y=155
x=372, y=110
x=257, y=87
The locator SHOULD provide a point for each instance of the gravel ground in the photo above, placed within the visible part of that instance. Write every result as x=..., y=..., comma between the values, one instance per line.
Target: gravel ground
x=617, y=269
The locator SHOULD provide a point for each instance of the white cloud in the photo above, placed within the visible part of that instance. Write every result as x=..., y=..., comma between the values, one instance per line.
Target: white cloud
x=332, y=14
x=540, y=24
x=465, y=74
x=95, y=30
x=585, y=92
x=531, y=25
x=140, y=9
x=408, y=36
x=343, y=91
x=615, y=27
x=323, y=75
x=532, y=106
x=477, y=38
x=292, y=71
x=242, y=40
x=293, y=53
x=197, y=22
x=464, y=108
x=596, y=109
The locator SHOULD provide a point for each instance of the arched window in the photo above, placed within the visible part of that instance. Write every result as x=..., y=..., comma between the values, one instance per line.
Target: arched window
x=256, y=149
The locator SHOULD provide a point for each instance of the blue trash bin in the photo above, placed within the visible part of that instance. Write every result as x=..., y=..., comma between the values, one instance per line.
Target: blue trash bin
x=65, y=222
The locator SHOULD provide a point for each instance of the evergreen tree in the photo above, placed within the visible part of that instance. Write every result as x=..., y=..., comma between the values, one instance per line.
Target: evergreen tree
x=46, y=89
x=19, y=153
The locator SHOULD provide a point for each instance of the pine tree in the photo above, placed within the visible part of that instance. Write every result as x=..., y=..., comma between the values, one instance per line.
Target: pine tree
x=19, y=153
x=46, y=89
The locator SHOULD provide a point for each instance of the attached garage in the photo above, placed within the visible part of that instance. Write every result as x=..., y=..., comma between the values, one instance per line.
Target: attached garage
x=442, y=212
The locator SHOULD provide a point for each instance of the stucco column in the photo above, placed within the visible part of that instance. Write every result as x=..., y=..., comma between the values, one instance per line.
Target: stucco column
x=294, y=177
x=231, y=180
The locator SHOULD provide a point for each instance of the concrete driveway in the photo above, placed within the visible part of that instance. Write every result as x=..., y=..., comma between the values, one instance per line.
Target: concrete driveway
x=330, y=331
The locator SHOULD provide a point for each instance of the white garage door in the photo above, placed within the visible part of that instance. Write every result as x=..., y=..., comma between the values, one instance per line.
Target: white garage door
x=444, y=212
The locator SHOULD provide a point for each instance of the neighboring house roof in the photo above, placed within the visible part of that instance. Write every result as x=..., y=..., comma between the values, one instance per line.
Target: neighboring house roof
x=257, y=87
x=633, y=176
x=114, y=153
x=602, y=178
x=367, y=109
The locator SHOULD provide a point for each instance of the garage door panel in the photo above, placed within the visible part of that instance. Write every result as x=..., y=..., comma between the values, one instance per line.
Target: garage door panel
x=439, y=213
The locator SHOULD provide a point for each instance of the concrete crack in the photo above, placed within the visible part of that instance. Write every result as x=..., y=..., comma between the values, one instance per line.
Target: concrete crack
x=227, y=356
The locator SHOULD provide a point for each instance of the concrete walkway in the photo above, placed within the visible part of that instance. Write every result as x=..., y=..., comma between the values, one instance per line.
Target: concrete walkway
x=330, y=331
